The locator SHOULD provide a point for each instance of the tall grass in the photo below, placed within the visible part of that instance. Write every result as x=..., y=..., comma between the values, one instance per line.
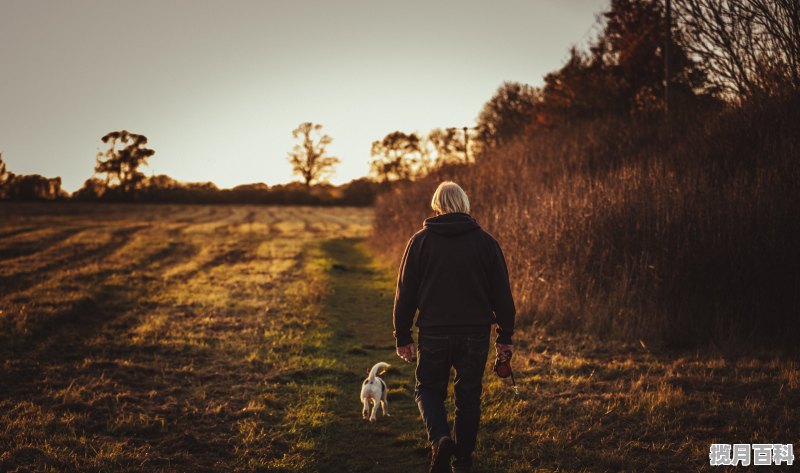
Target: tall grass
x=686, y=235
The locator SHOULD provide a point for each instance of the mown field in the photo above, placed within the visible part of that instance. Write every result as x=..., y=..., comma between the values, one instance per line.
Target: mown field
x=234, y=338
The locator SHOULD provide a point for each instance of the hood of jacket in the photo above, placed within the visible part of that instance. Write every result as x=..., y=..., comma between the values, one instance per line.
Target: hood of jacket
x=451, y=224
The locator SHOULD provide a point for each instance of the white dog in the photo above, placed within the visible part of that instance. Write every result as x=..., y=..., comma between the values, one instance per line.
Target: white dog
x=373, y=388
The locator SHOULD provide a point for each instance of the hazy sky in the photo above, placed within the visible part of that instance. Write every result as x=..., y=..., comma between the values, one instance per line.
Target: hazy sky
x=218, y=86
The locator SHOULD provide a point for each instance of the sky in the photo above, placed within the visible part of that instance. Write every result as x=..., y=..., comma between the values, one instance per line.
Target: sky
x=218, y=86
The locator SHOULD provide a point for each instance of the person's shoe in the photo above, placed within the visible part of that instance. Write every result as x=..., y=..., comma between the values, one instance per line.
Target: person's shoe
x=461, y=469
x=440, y=457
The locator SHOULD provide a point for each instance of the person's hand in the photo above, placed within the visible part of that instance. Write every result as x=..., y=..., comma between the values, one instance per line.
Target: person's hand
x=503, y=351
x=407, y=352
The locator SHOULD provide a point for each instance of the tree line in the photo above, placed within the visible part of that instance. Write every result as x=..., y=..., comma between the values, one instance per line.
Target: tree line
x=28, y=186
x=118, y=177
x=118, y=172
x=398, y=156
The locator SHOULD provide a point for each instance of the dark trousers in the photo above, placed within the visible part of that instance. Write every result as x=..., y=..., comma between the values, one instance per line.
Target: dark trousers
x=436, y=355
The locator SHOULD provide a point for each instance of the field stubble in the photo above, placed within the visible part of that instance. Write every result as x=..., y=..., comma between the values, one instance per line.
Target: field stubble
x=214, y=338
x=155, y=337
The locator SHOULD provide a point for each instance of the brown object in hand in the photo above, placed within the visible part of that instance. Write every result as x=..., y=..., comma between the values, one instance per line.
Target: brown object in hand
x=503, y=366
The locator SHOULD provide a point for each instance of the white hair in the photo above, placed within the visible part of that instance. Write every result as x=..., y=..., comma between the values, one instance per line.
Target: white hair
x=448, y=198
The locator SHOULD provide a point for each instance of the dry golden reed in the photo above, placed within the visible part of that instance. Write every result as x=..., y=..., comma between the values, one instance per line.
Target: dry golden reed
x=685, y=235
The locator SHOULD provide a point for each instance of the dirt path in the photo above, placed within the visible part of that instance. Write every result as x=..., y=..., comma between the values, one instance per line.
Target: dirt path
x=358, y=334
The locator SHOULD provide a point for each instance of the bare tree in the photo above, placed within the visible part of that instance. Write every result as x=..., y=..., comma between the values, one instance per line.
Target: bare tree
x=747, y=47
x=309, y=158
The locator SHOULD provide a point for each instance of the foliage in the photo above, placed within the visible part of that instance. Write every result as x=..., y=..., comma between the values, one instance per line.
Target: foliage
x=309, y=158
x=623, y=71
x=121, y=161
x=632, y=48
x=5, y=175
x=397, y=156
x=165, y=189
x=28, y=186
x=92, y=189
x=448, y=145
x=507, y=115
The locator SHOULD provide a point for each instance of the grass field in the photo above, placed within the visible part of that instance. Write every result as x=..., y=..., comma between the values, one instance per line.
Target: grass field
x=217, y=338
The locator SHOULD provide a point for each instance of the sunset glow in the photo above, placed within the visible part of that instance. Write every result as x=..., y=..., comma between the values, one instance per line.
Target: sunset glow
x=217, y=87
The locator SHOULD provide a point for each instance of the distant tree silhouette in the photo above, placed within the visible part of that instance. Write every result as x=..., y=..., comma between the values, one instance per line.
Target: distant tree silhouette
x=448, y=145
x=5, y=179
x=397, y=156
x=359, y=191
x=121, y=161
x=92, y=189
x=507, y=114
x=28, y=186
x=35, y=187
x=161, y=182
x=309, y=158
x=5, y=175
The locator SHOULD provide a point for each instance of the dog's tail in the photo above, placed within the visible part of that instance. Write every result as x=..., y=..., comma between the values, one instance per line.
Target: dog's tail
x=374, y=371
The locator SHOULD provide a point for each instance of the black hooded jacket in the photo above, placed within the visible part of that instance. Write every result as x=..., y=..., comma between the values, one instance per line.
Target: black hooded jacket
x=455, y=274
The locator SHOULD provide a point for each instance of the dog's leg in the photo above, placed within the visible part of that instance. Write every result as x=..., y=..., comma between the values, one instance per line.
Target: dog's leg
x=373, y=417
x=385, y=404
x=365, y=410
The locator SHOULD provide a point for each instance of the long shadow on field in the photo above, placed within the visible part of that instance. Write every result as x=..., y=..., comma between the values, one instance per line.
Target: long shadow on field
x=102, y=304
x=170, y=404
x=33, y=245
x=76, y=257
x=18, y=231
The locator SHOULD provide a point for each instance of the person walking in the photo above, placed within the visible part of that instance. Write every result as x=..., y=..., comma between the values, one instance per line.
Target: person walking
x=455, y=274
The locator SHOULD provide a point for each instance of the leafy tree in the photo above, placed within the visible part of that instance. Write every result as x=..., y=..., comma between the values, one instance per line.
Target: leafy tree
x=309, y=158
x=632, y=48
x=34, y=187
x=397, y=156
x=623, y=71
x=507, y=114
x=5, y=175
x=448, y=145
x=162, y=181
x=6, y=178
x=581, y=88
x=121, y=161
x=92, y=189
